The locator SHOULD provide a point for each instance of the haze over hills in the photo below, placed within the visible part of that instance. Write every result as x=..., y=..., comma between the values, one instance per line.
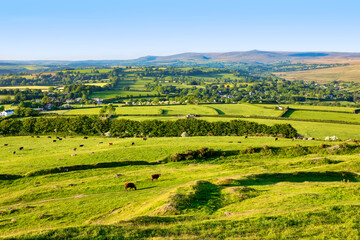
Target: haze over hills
x=238, y=57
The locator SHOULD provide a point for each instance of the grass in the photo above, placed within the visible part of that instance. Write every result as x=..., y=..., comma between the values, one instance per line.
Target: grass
x=44, y=88
x=225, y=197
x=311, y=107
x=244, y=109
x=348, y=117
x=115, y=93
x=350, y=73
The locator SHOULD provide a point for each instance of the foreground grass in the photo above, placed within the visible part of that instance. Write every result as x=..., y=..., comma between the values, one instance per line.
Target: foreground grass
x=255, y=197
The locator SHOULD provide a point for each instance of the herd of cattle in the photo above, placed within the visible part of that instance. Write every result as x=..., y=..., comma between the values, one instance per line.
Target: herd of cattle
x=127, y=185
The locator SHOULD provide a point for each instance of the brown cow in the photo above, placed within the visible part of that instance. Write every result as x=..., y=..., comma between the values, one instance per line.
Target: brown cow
x=129, y=185
x=155, y=176
x=110, y=144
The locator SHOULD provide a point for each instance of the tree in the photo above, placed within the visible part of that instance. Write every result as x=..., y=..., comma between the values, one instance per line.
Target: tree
x=107, y=110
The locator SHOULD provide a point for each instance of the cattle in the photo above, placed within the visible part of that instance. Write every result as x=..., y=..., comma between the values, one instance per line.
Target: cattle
x=54, y=140
x=81, y=145
x=130, y=185
x=144, y=139
x=239, y=141
x=155, y=176
x=5, y=145
x=73, y=155
x=74, y=149
x=92, y=153
x=276, y=139
x=230, y=142
x=60, y=139
x=21, y=148
x=132, y=144
x=14, y=152
x=49, y=136
x=246, y=136
x=110, y=144
x=100, y=142
x=85, y=137
x=32, y=136
x=37, y=136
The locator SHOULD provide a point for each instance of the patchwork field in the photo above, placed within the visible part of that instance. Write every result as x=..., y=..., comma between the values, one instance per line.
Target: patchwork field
x=236, y=196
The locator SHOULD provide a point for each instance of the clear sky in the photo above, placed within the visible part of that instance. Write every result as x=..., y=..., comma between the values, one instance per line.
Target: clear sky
x=116, y=29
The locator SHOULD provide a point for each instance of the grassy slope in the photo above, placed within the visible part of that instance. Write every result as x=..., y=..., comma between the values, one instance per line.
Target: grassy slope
x=91, y=203
x=346, y=73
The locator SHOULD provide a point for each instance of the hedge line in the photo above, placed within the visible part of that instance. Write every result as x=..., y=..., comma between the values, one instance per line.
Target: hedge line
x=93, y=125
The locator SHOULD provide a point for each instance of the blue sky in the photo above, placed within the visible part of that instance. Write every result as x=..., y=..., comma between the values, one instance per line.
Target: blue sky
x=109, y=29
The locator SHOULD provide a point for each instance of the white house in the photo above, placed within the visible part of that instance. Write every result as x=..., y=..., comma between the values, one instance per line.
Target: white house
x=7, y=113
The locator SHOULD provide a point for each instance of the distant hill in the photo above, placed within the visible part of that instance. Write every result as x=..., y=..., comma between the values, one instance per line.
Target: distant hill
x=250, y=57
x=245, y=57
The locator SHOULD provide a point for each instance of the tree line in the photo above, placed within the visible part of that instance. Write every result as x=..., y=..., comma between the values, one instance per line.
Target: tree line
x=93, y=125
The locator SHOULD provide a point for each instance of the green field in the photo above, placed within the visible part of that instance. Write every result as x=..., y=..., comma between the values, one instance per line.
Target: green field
x=43, y=88
x=226, y=197
x=310, y=107
x=115, y=93
x=347, y=117
x=244, y=109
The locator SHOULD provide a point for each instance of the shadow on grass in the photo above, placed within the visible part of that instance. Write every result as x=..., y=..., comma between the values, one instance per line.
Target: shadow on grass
x=75, y=168
x=9, y=177
x=273, y=178
x=139, y=189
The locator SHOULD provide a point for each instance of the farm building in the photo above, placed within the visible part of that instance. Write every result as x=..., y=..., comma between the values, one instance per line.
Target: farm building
x=7, y=113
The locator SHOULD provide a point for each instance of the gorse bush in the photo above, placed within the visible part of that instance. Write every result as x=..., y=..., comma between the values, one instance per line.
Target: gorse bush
x=194, y=154
x=93, y=125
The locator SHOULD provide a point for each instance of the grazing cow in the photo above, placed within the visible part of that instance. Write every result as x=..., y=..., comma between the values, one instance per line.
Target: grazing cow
x=230, y=142
x=85, y=137
x=132, y=143
x=60, y=139
x=32, y=136
x=21, y=148
x=144, y=139
x=54, y=140
x=49, y=136
x=239, y=141
x=100, y=142
x=155, y=176
x=110, y=144
x=74, y=149
x=246, y=136
x=130, y=185
x=276, y=139
x=37, y=136
x=81, y=145
x=14, y=152
x=5, y=145
x=73, y=155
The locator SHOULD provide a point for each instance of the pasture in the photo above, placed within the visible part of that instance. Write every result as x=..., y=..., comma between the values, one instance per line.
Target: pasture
x=334, y=116
x=222, y=197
